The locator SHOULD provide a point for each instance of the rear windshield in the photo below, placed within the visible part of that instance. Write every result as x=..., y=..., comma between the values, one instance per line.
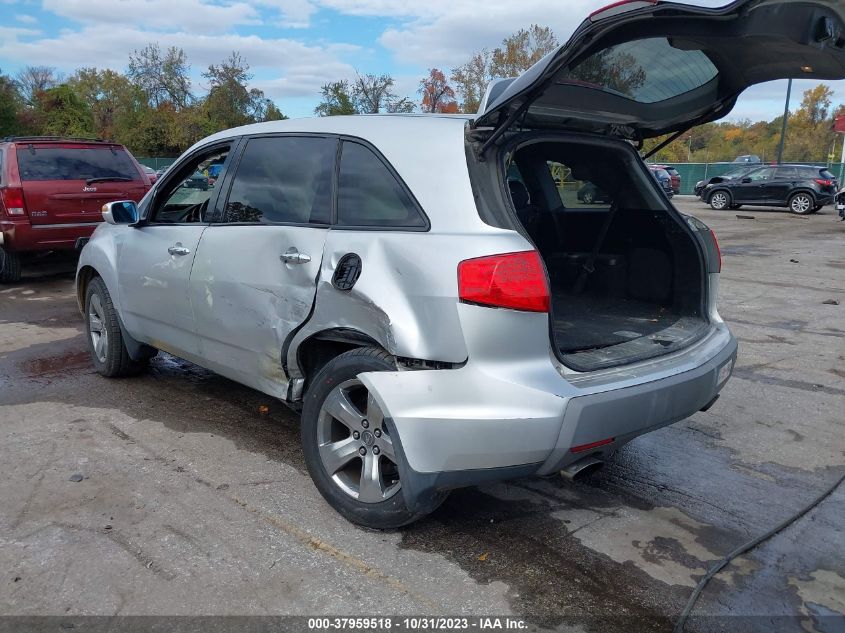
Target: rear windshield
x=647, y=70
x=65, y=163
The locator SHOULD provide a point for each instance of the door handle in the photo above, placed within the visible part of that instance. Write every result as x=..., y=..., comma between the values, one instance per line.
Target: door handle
x=293, y=256
x=178, y=249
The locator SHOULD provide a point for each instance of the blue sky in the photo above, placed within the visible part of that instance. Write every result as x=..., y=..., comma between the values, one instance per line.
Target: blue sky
x=295, y=46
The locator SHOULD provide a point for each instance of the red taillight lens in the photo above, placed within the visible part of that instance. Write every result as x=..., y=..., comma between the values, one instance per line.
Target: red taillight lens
x=511, y=280
x=13, y=200
x=718, y=250
x=585, y=447
x=823, y=182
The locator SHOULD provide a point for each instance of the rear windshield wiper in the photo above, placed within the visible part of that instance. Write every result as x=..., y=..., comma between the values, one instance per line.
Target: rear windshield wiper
x=89, y=181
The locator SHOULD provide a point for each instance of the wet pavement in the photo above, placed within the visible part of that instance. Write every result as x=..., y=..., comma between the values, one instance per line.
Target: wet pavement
x=194, y=498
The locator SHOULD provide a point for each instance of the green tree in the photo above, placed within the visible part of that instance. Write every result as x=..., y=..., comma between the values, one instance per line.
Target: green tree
x=10, y=106
x=60, y=112
x=115, y=103
x=230, y=101
x=336, y=99
x=162, y=77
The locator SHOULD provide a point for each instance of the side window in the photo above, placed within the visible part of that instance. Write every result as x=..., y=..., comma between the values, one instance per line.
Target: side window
x=370, y=195
x=760, y=174
x=283, y=179
x=786, y=173
x=185, y=196
x=576, y=190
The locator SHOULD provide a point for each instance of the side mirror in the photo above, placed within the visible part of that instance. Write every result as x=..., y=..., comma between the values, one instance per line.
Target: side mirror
x=120, y=212
x=745, y=181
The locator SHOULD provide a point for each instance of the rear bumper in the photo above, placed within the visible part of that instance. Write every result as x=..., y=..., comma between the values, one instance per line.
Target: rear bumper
x=465, y=426
x=22, y=236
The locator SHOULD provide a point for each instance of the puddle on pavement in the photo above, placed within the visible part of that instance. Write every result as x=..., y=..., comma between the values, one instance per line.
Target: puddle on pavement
x=552, y=578
x=62, y=363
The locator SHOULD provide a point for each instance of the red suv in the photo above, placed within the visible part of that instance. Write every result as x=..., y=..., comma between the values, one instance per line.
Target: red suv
x=673, y=174
x=51, y=191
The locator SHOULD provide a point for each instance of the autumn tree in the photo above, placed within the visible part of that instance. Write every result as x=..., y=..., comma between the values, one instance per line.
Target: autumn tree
x=32, y=80
x=336, y=99
x=517, y=54
x=437, y=94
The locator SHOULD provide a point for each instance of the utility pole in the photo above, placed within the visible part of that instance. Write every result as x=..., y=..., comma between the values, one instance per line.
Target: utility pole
x=785, y=117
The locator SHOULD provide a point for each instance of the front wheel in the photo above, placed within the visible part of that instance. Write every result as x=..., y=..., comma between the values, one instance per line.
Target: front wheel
x=802, y=203
x=105, y=340
x=587, y=197
x=720, y=200
x=348, y=449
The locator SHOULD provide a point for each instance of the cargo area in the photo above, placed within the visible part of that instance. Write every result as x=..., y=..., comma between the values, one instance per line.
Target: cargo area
x=627, y=276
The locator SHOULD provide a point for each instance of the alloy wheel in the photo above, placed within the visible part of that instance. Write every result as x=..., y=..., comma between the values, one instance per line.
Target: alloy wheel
x=97, y=329
x=588, y=198
x=801, y=204
x=719, y=200
x=355, y=446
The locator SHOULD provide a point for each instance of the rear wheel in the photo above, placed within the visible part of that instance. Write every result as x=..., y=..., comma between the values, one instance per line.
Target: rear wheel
x=588, y=197
x=720, y=200
x=105, y=340
x=348, y=449
x=10, y=266
x=802, y=203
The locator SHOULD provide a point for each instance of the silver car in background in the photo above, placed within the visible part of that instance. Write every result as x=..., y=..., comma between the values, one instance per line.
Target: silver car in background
x=429, y=290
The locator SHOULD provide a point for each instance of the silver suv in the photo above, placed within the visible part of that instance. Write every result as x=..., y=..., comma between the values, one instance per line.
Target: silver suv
x=430, y=290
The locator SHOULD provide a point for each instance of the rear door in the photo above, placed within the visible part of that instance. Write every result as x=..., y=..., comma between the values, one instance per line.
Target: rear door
x=256, y=270
x=68, y=183
x=776, y=190
x=644, y=68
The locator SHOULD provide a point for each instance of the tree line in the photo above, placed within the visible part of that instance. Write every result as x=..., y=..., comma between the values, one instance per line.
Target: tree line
x=153, y=108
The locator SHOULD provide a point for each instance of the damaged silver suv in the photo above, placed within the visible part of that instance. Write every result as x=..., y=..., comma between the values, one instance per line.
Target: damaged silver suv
x=430, y=290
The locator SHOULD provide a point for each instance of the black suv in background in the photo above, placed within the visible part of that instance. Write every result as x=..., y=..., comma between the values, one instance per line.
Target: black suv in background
x=802, y=188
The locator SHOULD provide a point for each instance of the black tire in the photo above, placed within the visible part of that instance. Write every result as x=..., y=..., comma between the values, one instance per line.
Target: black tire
x=802, y=203
x=343, y=370
x=10, y=266
x=817, y=208
x=720, y=200
x=113, y=360
x=734, y=207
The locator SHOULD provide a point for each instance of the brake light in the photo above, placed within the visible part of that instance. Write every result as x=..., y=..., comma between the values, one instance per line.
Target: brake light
x=824, y=182
x=718, y=251
x=13, y=200
x=623, y=6
x=511, y=280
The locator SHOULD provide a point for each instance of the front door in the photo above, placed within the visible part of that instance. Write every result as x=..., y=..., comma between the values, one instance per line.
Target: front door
x=257, y=267
x=750, y=188
x=155, y=260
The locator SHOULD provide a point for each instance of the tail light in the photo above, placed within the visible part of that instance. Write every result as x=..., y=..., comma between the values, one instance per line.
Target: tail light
x=12, y=198
x=824, y=182
x=511, y=280
x=718, y=251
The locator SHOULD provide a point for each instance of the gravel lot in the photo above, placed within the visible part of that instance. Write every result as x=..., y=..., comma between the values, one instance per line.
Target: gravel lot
x=195, y=501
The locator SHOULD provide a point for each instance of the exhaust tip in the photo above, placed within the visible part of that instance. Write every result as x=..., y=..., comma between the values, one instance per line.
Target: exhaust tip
x=582, y=468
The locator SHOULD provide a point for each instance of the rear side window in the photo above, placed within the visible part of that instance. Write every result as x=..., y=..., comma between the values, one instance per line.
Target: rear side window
x=370, y=195
x=80, y=163
x=824, y=173
x=786, y=173
x=283, y=179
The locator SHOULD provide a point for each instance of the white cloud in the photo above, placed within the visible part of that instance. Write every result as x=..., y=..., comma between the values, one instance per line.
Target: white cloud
x=294, y=14
x=25, y=18
x=300, y=68
x=195, y=16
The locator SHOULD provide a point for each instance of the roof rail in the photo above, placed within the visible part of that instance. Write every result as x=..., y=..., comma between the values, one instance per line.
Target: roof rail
x=84, y=139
